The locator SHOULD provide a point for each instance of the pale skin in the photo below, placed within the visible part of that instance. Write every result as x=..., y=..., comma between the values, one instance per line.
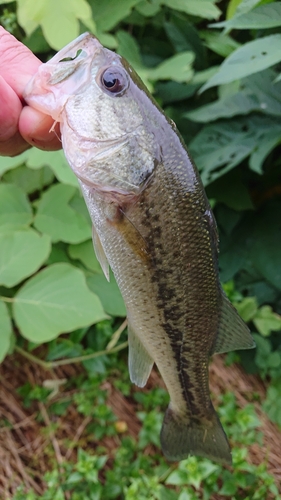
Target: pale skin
x=20, y=126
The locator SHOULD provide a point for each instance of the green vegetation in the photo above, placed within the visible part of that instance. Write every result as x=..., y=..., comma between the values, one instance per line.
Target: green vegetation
x=215, y=69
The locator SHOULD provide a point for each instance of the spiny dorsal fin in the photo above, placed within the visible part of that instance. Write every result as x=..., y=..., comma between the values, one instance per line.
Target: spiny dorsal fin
x=100, y=253
x=140, y=362
x=233, y=333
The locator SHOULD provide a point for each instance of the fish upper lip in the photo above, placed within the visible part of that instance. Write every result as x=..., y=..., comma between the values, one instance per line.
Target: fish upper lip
x=83, y=41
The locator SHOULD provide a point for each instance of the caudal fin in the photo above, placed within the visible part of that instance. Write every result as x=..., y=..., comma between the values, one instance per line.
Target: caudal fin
x=180, y=439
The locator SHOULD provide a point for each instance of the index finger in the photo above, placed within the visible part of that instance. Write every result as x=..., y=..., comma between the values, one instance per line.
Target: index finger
x=17, y=63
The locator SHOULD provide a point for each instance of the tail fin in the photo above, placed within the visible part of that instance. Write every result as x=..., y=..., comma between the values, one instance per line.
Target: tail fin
x=180, y=438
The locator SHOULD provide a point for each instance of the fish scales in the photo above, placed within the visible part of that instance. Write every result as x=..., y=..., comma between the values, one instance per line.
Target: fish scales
x=153, y=224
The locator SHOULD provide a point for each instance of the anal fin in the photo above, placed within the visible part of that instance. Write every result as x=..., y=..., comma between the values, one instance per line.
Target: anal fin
x=100, y=253
x=140, y=362
x=233, y=333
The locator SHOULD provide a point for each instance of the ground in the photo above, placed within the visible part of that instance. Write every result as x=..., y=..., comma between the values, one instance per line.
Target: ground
x=27, y=434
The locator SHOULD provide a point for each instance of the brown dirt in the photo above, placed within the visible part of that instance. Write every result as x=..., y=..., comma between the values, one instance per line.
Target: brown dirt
x=27, y=445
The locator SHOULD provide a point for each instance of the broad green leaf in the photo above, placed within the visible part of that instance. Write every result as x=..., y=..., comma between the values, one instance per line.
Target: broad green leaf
x=54, y=301
x=184, y=37
x=200, y=8
x=21, y=254
x=29, y=180
x=272, y=405
x=10, y=163
x=238, y=104
x=173, y=91
x=252, y=57
x=221, y=146
x=231, y=191
x=266, y=321
x=5, y=330
x=220, y=43
x=245, y=6
x=107, y=13
x=267, y=143
x=262, y=17
x=56, y=160
x=109, y=294
x=178, y=477
x=257, y=92
x=15, y=209
x=129, y=49
x=85, y=253
x=148, y=8
x=265, y=249
x=56, y=217
x=231, y=8
x=59, y=20
x=177, y=68
x=247, y=309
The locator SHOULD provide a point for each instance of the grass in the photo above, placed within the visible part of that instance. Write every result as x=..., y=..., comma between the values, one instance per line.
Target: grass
x=74, y=433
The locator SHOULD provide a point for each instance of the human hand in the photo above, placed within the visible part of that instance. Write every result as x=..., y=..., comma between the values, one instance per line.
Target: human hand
x=20, y=125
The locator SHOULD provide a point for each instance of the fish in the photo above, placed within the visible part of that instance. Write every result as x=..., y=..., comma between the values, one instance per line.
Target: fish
x=153, y=226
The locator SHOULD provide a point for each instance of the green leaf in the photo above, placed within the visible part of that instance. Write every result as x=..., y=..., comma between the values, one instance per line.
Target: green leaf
x=272, y=404
x=177, y=68
x=109, y=294
x=29, y=180
x=109, y=12
x=85, y=253
x=128, y=48
x=5, y=330
x=56, y=217
x=252, y=57
x=54, y=301
x=59, y=20
x=238, y=104
x=266, y=144
x=244, y=6
x=247, y=309
x=258, y=92
x=21, y=254
x=56, y=160
x=15, y=209
x=219, y=43
x=178, y=478
x=221, y=146
x=10, y=163
x=148, y=7
x=231, y=191
x=266, y=321
x=262, y=17
x=266, y=244
x=200, y=8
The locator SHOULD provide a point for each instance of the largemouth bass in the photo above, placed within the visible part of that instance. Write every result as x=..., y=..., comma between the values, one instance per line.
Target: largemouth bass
x=153, y=225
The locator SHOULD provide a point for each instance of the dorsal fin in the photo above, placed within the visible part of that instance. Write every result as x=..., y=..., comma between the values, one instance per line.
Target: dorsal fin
x=140, y=362
x=233, y=333
x=100, y=253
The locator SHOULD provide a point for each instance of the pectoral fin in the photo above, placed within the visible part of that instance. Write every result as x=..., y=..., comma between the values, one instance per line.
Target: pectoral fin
x=140, y=362
x=100, y=253
x=233, y=333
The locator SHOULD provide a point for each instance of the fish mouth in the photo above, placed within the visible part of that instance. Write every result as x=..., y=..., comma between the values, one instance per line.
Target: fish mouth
x=43, y=91
x=86, y=41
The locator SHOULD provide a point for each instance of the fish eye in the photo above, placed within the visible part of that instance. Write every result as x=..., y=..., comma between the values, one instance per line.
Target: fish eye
x=114, y=80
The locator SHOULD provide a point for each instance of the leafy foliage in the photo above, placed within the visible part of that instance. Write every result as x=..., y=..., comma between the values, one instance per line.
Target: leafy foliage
x=220, y=83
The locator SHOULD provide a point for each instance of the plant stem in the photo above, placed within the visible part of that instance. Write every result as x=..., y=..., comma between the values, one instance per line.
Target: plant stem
x=7, y=299
x=49, y=365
